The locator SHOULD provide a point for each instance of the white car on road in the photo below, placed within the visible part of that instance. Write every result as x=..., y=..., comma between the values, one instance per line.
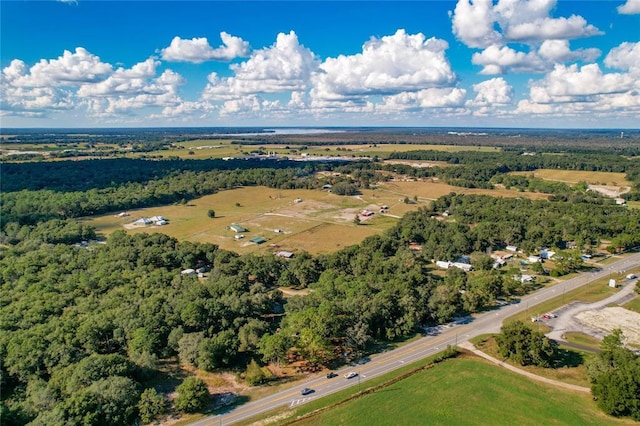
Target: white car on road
x=350, y=375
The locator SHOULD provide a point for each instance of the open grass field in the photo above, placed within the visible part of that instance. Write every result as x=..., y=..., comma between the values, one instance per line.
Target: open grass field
x=217, y=148
x=575, y=176
x=633, y=305
x=466, y=391
x=322, y=222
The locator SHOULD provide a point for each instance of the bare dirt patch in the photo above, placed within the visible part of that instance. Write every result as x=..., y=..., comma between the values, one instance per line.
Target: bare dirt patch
x=608, y=319
x=610, y=190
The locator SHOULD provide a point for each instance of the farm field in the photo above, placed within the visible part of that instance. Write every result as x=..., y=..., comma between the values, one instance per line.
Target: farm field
x=466, y=391
x=217, y=148
x=575, y=176
x=322, y=222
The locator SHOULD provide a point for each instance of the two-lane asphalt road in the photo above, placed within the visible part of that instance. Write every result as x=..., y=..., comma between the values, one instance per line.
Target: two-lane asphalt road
x=452, y=334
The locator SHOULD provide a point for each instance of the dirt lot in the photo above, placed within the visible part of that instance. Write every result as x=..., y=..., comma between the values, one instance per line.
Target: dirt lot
x=610, y=190
x=608, y=319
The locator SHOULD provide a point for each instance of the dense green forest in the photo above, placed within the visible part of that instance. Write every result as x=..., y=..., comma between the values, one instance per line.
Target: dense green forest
x=83, y=328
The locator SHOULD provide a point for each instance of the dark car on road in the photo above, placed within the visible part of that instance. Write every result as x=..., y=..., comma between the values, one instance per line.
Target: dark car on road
x=331, y=375
x=306, y=391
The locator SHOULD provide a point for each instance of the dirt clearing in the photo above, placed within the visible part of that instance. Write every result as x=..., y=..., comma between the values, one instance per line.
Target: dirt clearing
x=608, y=319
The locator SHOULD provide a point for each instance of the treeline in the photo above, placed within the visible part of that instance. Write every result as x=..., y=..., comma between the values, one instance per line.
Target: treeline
x=65, y=176
x=531, y=224
x=519, y=162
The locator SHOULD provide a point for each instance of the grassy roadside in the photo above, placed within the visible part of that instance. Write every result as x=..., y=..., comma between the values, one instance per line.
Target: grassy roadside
x=570, y=367
x=465, y=391
x=592, y=292
x=284, y=415
x=582, y=339
x=633, y=305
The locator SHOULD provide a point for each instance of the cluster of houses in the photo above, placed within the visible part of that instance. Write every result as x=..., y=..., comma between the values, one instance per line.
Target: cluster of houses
x=500, y=259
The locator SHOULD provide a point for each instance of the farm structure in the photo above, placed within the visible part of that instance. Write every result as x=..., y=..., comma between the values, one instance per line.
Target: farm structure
x=237, y=228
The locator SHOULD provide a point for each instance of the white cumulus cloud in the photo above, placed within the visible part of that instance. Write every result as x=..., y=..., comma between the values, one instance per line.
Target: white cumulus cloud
x=473, y=23
x=386, y=66
x=631, y=7
x=571, y=91
x=494, y=26
x=493, y=92
x=48, y=85
x=74, y=68
x=625, y=57
x=198, y=50
x=447, y=97
x=496, y=59
x=551, y=28
x=573, y=84
x=284, y=66
x=559, y=51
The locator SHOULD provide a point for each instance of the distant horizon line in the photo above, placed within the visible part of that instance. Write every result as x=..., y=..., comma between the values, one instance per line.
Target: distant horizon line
x=4, y=129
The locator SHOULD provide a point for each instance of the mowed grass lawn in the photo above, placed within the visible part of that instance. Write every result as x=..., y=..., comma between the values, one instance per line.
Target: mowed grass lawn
x=321, y=223
x=467, y=391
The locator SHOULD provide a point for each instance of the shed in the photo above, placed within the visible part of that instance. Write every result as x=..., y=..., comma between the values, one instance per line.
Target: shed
x=284, y=254
x=189, y=271
x=258, y=240
x=512, y=248
x=237, y=228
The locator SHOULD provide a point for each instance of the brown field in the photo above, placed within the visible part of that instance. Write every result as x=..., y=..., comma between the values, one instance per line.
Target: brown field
x=224, y=148
x=322, y=222
x=575, y=176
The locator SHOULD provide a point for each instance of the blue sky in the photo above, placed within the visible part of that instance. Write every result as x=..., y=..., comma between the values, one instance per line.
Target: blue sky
x=474, y=63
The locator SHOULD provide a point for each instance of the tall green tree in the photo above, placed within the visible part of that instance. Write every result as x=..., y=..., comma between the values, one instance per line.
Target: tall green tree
x=525, y=346
x=193, y=395
x=151, y=405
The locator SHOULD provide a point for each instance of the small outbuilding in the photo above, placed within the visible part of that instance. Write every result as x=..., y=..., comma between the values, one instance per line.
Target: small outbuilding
x=258, y=240
x=284, y=254
x=237, y=228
